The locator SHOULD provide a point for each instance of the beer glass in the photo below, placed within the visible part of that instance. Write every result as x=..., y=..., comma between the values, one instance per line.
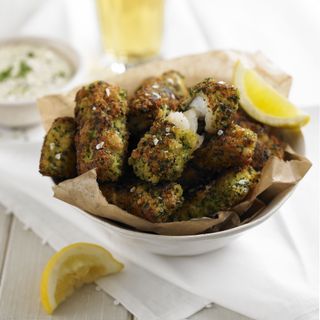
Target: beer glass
x=131, y=30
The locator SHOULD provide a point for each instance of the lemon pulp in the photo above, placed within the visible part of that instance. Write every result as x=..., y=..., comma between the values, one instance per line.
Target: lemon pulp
x=266, y=98
x=263, y=103
x=72, y=267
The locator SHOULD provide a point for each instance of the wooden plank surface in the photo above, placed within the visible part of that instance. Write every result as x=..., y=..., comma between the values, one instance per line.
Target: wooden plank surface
x=5, y=226
x=19, y=291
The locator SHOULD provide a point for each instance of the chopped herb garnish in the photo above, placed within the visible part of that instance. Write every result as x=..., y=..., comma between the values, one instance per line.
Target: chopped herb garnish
x=60, y=74
x=123, y=94
x=5, y=74
x=30, y=54
x=24, y=69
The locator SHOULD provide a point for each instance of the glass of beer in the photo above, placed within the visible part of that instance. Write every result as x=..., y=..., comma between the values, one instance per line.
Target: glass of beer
x=131, y=29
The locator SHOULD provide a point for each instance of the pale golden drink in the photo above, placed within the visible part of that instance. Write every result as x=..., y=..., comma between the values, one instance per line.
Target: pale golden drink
x=131, y=29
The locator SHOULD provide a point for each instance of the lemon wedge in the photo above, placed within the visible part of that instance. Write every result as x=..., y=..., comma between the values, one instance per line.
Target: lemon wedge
x=263, y=103
x=72, y=267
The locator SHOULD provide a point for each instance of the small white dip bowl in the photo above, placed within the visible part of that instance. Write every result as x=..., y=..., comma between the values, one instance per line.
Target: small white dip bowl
x=25, y=113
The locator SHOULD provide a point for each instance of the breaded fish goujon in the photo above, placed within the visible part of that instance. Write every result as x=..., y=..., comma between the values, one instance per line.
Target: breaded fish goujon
x=153, y=203
x=216, y=102
x=164, y=150
x=222, y=194
x=169, y=89
x=58, y=154
x=102, y=136
x=234, y=147
x=268, y=144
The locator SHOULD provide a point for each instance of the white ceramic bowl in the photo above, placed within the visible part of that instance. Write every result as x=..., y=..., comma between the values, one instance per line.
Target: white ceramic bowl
x=194, y=244
x=25, y=113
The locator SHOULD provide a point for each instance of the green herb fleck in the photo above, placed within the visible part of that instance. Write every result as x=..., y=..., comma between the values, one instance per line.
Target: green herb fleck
x=123, y=94
x=60, y=74
x=30, y=54
x=24, y=69
x=5, y=74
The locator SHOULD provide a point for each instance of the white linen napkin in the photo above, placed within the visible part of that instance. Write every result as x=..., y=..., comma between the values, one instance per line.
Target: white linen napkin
x=271, y=272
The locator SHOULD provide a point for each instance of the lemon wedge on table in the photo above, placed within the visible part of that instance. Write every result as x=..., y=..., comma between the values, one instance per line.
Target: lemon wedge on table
x=263, y=103
x=70, y=268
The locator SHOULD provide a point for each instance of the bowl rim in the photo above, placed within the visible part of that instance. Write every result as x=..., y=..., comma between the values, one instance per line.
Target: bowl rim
x=69, y=53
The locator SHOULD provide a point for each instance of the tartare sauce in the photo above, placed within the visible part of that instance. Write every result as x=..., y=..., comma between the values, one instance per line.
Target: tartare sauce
x=29, y=71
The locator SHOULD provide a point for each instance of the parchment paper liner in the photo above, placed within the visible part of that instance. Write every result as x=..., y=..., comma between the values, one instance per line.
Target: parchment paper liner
x=277, y=179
